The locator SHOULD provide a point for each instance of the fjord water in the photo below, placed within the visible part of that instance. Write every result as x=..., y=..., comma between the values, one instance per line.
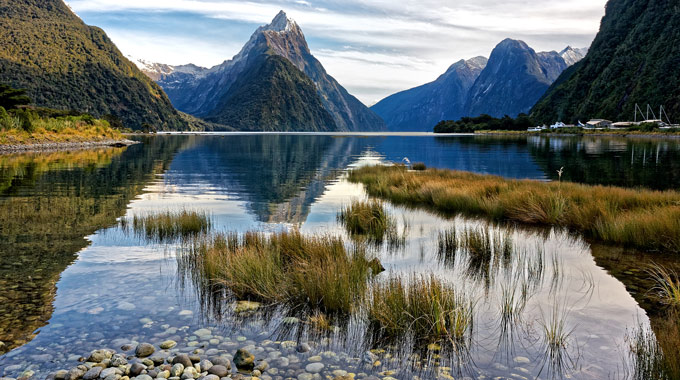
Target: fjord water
x=72, y=280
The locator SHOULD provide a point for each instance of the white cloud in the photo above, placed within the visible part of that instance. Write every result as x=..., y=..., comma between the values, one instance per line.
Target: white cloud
x=373, y=47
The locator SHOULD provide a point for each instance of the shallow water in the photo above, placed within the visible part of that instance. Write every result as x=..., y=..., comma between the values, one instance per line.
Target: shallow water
x=73, y=281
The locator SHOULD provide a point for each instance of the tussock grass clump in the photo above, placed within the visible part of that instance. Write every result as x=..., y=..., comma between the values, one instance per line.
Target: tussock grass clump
x=425, y=307
x=169, y=225
x=667, y=286
x=644, y=219
x=369, y=219
x=556, y=338
x=286, y=267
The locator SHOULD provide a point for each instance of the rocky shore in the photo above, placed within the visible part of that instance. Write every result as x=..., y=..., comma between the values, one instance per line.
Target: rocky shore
x=231, y=359
x=55, y=146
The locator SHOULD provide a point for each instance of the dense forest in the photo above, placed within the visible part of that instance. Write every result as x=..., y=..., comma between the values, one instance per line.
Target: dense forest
x=484, y=123
x=67, y=65
x=634, y=59
x=273, y=95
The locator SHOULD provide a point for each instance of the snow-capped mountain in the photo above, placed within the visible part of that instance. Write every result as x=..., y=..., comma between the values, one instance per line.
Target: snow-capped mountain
x=572, y=55
x=201, y=92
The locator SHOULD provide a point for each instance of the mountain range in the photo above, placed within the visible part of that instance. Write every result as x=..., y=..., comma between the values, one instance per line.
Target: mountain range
x=634, y=59
x=508, y=83
x=65, y=64
x=274, y=82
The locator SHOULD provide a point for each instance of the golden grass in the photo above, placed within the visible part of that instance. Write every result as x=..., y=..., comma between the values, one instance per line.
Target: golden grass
x=667, y=286
x=169, y=225
x=425, y=307
x=368, y=219
x=644, y=219
x=286, y=267
x=60, y=130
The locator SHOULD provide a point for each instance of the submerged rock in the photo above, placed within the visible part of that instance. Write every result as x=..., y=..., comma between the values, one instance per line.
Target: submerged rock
x=168, y=344
x=244, y=360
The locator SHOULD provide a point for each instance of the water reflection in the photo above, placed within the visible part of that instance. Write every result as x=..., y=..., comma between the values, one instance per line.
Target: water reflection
x=122, y=289
x=49, y=203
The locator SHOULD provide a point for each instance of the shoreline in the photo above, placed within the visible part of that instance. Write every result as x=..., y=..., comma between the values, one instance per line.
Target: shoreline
x=56, y=146
x=408, y=134
x=594, y=134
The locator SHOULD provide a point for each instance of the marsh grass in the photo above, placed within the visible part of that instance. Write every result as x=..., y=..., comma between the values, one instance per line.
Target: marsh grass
x=448, y=246
x=667, y=285
x=647, y=357
x=286, y=267
x=168, y=225
x=557, y=339
x=425, y=308
x=368, y=219
x=634, y=217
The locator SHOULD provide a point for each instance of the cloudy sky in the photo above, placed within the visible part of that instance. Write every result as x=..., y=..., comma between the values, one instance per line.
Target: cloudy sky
x=373, y=47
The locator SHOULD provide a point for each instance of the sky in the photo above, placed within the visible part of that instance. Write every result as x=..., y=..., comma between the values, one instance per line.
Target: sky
x=374, y=48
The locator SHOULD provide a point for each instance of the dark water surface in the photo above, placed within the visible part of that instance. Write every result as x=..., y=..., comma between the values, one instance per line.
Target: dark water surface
x=71, y=280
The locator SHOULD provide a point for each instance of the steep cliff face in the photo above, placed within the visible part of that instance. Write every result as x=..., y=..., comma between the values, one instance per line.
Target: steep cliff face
x=200, y=91
x=444, y=99
x=272, y=95
x=65, y=64
x=513, y=80
x=635, y=58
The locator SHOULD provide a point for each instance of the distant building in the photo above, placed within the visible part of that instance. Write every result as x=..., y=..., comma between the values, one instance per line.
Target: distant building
x=537, y=128
x=599, y=124
x=558, y=125
x=622, y=125
x=660, y=123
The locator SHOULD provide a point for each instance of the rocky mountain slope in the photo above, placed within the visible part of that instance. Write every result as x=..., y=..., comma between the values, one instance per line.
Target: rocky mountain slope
x=204, y=92
x=508, y=83
x=65, y=64
x=444, y=99
x=635, y=58
x=513, y=80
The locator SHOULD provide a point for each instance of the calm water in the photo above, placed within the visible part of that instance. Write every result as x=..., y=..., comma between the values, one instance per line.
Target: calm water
x=72, y=281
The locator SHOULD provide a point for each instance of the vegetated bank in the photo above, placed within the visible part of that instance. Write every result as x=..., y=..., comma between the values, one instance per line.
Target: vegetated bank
x=645, y=219
x=23, y=127
x=485, y=124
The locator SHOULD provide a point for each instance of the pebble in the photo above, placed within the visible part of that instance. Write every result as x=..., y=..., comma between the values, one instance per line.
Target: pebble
x=244, y=359
x=144, y=349
x=522, y=360
x=92, y=373
x=168, y=344
x=218, y=370
x=314, y=367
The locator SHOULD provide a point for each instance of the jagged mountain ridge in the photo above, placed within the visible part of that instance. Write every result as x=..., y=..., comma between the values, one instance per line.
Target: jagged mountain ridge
x=65, y=64
x=424, y=106
x=508, y=83
x=635, y=58
x=513, y=80
x=201, y=91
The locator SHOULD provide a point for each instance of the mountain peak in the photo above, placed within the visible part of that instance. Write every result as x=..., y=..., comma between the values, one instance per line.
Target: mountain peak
x=509, y=43
x=280, y=23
